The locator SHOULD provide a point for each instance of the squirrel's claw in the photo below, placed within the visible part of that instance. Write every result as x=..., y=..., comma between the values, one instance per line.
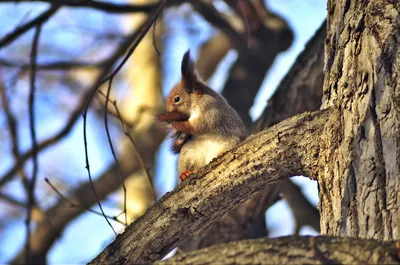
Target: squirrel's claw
x=184, y=175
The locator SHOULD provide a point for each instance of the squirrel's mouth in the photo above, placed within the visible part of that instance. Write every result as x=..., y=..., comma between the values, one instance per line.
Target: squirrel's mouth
x=170, y=116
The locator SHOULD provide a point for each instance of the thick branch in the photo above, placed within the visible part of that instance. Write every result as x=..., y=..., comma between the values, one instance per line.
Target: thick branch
x=248, y=72
x=287, y=149
x=294, y=250
x=214, y=17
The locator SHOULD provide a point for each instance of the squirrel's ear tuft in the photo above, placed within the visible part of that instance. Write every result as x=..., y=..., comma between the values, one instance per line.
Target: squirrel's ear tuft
x=189, y=76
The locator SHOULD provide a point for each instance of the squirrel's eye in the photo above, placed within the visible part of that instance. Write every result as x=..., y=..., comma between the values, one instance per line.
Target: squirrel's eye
x=177, y=99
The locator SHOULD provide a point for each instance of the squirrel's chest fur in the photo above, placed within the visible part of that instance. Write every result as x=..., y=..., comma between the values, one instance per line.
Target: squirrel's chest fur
x=200, y=150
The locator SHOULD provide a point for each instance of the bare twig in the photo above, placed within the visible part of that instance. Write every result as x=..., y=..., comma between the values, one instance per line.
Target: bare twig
x=12, y=122
x=32, y=183
x=74, y=205
x=141, y=35
x=110, y=111
x=125, y=124
x=74, y=115
x=12, y=127
x=135, y=149
x=10, y=37
x=303, y=211
x=214, y=18
x=112, y=149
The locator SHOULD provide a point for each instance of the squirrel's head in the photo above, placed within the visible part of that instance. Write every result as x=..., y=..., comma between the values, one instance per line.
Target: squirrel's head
x=189, y=89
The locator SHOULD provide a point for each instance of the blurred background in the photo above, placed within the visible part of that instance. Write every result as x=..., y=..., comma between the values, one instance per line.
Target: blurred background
x=243, y=49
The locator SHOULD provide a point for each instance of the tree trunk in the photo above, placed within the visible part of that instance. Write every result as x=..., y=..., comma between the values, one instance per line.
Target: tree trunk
x=359, y=187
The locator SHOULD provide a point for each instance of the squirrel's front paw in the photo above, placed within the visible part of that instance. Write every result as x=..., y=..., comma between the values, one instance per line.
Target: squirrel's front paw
x=184, y=175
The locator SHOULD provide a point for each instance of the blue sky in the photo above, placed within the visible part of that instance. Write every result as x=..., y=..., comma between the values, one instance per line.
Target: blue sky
x=89, y=234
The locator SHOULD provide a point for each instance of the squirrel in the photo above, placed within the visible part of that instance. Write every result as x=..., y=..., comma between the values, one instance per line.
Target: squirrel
x=206, y=126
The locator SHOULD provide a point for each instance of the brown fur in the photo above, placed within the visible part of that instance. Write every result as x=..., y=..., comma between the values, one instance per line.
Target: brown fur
x=172, y=116
x=179, y=139
x=205, y=124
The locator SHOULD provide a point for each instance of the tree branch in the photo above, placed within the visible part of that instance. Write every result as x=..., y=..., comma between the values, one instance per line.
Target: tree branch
x=248, y=72
x=214, y=17
x=294, y=250
x=75, y=114
x=301, y=87
x=100, y=5
x=27, y=26
x=61, y=214
x=289, y=148
x=32, y=129
x=56, y=65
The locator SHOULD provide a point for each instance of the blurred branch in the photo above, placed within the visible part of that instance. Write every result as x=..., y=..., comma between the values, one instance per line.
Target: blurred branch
x=214, y=18
x=74, y=205
x=270, y=37
x=10, y=37
x=211, y=53
x=32, y=129
x=146, y=27
x=98, y=5
x=59, y=65
x=135, y=149
x=102, y=101
x=301, y=88
x=299, y=91
x=61, y=214
x=121, y=49
x=12, y=200
x=13, y=128
x=11, y=121
x=104, y=184
x=304, y=212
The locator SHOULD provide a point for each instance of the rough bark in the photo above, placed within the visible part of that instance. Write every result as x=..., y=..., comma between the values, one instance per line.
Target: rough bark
x=359, y=192
x=294, y=250
x=292, y=147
